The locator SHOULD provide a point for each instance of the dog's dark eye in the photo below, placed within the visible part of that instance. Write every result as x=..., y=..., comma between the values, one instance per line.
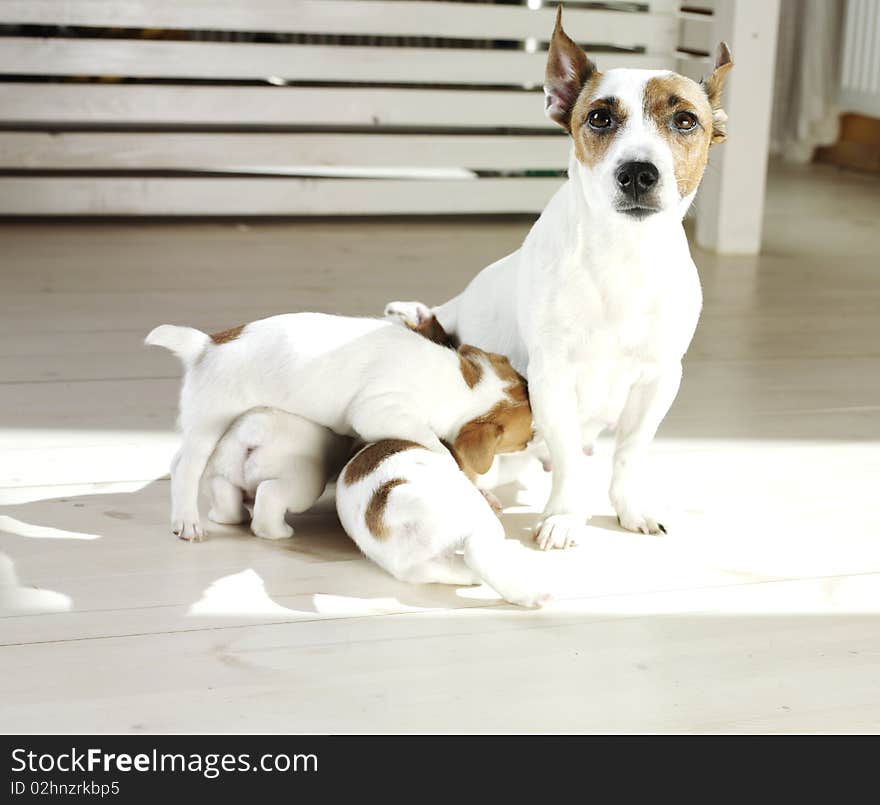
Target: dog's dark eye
x=599, y=119
x=684, y=121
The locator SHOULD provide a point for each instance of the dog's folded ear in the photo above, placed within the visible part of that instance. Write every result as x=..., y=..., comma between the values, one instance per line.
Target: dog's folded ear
x=475, y=446
x=568, y=68
x=714, y=86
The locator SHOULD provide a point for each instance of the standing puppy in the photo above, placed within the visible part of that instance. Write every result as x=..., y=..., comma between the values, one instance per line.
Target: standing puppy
x=599, y=305
x=358, y=377
x=280, y=461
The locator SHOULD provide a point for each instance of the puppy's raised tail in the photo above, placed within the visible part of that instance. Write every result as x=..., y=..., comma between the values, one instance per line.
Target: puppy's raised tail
x=185, y=342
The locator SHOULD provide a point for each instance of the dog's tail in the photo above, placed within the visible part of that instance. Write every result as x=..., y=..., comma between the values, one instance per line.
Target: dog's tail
x=185, y=342
x=501, y=563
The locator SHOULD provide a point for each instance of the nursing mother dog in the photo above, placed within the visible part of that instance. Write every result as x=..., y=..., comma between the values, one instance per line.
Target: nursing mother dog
x=599, y=305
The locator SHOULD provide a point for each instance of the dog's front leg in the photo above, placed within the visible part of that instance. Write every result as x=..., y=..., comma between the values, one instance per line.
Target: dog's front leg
x=645, y=408
x=557, y=418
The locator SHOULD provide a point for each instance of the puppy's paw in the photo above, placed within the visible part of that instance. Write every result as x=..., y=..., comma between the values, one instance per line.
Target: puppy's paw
x=560, y=531
x=631, y=520
x=188, y=528
x=412, y=314
x=272, y=530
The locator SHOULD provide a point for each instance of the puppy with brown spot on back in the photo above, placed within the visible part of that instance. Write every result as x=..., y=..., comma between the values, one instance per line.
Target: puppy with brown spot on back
x=419, y=515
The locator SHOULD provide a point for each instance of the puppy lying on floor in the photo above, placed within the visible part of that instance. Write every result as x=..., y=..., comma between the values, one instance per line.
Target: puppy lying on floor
x=362, y=377
x=411, y=510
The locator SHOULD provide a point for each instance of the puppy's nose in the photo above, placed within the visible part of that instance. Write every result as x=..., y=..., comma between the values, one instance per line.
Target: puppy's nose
x=637, y=178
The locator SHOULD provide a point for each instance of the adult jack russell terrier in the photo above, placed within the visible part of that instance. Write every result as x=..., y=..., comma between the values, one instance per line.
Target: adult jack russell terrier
x=599, y=305
x=359, y=377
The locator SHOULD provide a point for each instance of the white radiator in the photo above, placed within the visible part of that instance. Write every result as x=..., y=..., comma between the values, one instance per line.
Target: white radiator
x=860, y=74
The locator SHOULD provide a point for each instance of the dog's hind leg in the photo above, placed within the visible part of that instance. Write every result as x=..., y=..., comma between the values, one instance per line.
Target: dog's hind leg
x=189, y=465
x=450, y=569
x=270, y=507
x=227, y=504
x=504, y=566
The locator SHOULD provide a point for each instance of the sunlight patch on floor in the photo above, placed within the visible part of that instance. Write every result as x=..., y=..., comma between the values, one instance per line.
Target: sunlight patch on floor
x=16, y=599
x=12, y=526
x=241, y=594
x=348, y=605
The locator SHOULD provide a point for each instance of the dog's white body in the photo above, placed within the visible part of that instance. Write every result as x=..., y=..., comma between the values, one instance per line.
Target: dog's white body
x=280, y=461
x=415, y=510
x=598, y=321
x=599, y=305
x=363, y=377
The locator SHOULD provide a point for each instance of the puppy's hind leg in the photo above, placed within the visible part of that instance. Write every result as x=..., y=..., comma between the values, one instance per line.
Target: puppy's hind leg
x=501, y=565
x=227, y=502
x=451, y=569
x=186, y=474
x=304, y=482
x=270, y=506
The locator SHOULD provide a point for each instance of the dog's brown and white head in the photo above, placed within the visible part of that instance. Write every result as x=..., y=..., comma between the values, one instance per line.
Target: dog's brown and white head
x=506, y=427
x=641, y=137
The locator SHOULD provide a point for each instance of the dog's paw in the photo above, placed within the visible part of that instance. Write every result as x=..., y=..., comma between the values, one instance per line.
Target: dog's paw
x=560, y=531
x=411, y=314
x=188, y=528
x=272, y=531
x=631, y=520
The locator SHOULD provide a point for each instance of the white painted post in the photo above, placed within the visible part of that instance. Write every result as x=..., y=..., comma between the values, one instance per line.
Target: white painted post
x=730, y=204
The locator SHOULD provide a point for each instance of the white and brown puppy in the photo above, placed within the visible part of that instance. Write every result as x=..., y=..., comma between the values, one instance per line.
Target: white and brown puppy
x=411, y=511
x=280, y=461
x=600, y=303
x=358, y=377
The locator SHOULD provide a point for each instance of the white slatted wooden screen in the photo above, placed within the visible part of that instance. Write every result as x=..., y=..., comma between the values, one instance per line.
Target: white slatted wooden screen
x=273, y=107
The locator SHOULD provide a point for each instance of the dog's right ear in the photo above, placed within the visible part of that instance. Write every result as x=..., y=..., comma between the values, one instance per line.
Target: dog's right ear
x=475, y=446
x=568, y=68
x=713, y=86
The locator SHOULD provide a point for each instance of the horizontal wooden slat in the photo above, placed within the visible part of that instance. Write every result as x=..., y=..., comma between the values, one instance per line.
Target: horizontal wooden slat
x=221, y=60
x=436, y=19
x=695, y=33
x=197, y=151
x=97, y=104
x=105, y=196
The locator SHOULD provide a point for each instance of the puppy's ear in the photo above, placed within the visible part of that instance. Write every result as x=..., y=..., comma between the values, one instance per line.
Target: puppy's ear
x=714, y=86
x=475, y=446
x=568, y=68
x=431, y=329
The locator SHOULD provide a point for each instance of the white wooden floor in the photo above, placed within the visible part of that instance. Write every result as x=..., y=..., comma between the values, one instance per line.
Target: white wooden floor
x=760, y=611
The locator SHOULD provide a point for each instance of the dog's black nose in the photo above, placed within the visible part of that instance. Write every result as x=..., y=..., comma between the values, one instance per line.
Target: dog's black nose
x=637, y=178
